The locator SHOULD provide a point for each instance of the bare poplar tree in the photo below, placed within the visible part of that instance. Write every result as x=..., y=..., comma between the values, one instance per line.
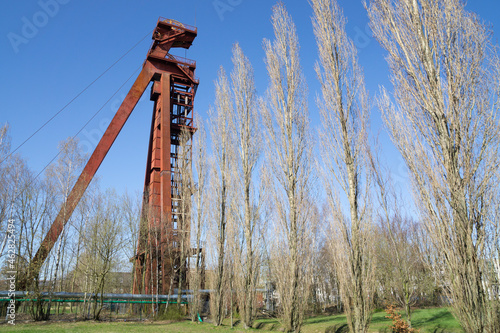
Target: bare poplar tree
x=8, y=183
x=33, y=203
x=285, y=117
x=103, y=242
x=78, y=224
x=5, y=195
x=130, y=207
x=4, y=142
x=402, y=273
x=184, y=179
x=61, y=177
x=222, y=141
x=15, y=178
x=198, y=214
x=326, y=278
x=493, y=246
x=246, y=130
x=402, y=268
x=344, y=115
x=444, y=122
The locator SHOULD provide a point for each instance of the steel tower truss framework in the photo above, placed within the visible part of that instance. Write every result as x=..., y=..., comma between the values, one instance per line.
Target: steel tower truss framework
x=173, y=91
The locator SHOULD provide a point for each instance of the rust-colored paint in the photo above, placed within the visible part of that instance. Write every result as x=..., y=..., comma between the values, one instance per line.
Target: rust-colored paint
x=157, y=250
x=91, y=167
x=163, y=69
x=165, y=191
x=165, y=174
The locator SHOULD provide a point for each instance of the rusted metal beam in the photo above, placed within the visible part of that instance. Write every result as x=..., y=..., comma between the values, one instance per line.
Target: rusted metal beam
x=91, y=167
x=173, y=92
x=165, y=192
x=165, y=175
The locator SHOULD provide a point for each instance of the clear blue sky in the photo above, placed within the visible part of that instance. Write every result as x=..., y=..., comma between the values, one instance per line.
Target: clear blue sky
x=49, y=53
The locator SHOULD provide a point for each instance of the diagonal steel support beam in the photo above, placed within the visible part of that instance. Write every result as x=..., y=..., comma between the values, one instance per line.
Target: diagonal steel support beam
x=90, y=169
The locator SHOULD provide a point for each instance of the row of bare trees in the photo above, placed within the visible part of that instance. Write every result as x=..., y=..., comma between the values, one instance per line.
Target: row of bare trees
x=259, y=217
x=442, y=117
x=236, y=142
x=287, y=190
x=96, y=240
x=102, y=236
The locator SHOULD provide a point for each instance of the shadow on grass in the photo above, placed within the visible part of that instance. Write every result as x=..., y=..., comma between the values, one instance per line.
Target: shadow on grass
x=379, y=319
x=441, y=316
x=438, y=329
x=338, y=328
x=270, y=325
x=318, y=320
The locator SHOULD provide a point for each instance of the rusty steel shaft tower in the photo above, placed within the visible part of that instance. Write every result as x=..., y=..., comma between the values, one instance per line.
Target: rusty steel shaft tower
x=157, y=261
x=164, y=231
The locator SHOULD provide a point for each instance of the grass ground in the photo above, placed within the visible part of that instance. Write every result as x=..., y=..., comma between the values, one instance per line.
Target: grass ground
x=438, y=320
